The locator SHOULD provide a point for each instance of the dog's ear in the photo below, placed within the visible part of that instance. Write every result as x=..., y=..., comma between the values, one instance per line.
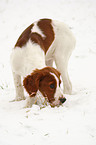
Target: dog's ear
x=31, y=83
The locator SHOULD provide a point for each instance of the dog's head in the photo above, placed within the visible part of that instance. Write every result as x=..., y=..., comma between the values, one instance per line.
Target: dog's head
x=47, y=81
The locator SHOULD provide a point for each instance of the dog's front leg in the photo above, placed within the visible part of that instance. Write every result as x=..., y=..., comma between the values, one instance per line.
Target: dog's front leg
x=18, y=87
x=30, y=101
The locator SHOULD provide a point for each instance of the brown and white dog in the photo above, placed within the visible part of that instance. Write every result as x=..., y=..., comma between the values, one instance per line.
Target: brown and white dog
x=38, y=46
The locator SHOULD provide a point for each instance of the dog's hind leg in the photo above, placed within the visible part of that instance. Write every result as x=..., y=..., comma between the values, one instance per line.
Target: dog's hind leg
x=61, y=60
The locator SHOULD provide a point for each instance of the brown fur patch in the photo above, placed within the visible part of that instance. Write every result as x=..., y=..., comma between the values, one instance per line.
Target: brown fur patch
x=44, y=42
x=55, y=71
x=36, y=38
x=41, y=80
x=24, y=37
x=45, y=89
x=46, y=27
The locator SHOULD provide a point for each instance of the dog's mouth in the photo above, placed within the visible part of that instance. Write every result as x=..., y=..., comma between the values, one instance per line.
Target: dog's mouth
x=44, y=101
x=58, y=102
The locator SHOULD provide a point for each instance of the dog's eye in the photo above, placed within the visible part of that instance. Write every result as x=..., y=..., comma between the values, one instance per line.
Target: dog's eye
x=52, y=86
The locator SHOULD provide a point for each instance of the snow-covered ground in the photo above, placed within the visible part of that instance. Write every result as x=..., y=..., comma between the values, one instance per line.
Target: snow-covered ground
x=74, y=123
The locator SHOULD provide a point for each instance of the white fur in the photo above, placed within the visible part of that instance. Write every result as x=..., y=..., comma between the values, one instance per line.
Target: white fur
x=35, y=28
x=31, y=56
x=24, y=60
x=60, y=51
x=58, y=94
x=64, y=45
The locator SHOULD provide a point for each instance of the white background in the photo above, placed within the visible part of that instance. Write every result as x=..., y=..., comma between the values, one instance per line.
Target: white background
x=74, y=123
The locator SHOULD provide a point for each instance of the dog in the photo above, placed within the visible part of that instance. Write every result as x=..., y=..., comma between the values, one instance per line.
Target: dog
x=43, y=42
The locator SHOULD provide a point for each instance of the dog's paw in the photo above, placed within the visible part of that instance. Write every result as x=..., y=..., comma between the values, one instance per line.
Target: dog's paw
x=18, y=99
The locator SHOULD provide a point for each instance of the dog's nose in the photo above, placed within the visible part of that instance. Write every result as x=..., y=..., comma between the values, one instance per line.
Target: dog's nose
x=62, y=100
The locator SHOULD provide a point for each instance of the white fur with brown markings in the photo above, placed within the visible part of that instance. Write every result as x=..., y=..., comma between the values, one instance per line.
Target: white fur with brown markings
x=26, y=59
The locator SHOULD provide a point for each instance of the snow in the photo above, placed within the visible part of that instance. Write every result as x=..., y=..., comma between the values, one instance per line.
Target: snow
x=75, y=121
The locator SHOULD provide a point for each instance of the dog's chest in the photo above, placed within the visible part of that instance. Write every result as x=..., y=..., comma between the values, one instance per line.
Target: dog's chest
x=28, y=58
